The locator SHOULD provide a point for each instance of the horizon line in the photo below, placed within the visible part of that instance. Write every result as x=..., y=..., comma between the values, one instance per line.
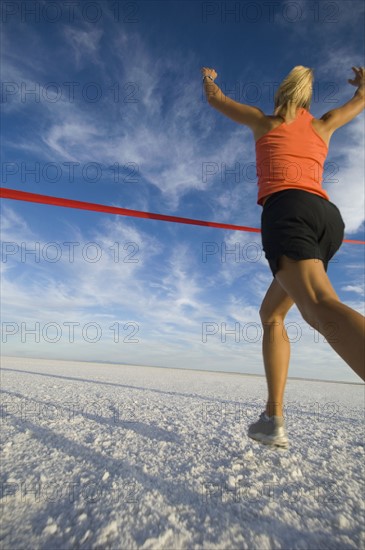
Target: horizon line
x=180, y=368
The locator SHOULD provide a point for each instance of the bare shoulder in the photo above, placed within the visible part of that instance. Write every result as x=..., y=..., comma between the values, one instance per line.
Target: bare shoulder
x=321, y=128
x=339, y=116
x=265, y=124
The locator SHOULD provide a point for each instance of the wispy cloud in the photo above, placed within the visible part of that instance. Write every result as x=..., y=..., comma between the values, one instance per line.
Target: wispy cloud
x=170, y=133
x=85, y=45
x=360, y=289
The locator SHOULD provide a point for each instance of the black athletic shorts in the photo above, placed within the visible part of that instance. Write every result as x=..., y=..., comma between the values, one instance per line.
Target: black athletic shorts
x=300, y=225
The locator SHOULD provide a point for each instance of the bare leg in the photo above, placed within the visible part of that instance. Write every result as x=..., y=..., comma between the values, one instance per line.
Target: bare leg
x=344, y=329
x=275, y=345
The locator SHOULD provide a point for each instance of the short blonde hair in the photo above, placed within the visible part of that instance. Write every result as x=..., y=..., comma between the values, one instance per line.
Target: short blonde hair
x=296, y=88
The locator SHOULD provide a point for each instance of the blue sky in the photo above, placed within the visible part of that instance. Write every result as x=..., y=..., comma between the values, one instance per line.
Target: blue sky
x=118, y=116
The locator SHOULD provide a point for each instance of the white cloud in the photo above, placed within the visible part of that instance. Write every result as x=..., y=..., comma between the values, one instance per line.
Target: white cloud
x=356, y=289
x=348, y=157
x=85, y=44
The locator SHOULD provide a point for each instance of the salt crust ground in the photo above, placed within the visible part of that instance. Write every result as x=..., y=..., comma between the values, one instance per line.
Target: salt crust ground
x=98, y=456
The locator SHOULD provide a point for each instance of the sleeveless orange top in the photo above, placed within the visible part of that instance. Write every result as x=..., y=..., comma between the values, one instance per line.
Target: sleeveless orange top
x=291, y=156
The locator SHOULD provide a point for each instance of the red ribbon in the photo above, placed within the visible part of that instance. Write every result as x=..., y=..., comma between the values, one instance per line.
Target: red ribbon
x=68, y=203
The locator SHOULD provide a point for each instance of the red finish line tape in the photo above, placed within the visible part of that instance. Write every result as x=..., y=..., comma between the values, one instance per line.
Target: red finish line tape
x=69, y=203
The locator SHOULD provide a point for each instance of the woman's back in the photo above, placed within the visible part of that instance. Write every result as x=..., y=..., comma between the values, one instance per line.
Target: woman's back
x=273, y=121
x=290, y=155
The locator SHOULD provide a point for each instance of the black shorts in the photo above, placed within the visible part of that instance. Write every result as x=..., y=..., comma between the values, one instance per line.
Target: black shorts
x=300, y=225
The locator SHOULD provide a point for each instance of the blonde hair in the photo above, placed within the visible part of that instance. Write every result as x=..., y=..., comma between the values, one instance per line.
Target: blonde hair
x=296, y=88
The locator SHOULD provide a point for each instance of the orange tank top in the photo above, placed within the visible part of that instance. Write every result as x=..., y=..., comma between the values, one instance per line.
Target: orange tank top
x=291, y=156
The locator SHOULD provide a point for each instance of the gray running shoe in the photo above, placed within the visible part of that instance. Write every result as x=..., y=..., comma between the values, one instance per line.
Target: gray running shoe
x=269, y=431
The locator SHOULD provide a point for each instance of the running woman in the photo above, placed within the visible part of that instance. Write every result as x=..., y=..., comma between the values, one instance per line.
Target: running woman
x=301, y=229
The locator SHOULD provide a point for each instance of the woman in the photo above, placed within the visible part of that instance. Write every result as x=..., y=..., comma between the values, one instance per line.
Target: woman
x=300, y=229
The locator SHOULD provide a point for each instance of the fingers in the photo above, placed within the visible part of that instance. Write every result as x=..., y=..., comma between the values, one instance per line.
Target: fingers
x=209, y=72
x=359, y=76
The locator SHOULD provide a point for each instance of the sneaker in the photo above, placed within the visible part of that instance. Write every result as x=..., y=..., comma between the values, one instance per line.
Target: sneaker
x=269, y=431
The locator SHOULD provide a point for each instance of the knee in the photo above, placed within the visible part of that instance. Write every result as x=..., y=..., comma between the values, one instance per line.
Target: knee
x=269, y=316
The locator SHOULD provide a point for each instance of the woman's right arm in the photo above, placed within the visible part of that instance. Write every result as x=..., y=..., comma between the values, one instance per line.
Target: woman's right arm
x=342, y=115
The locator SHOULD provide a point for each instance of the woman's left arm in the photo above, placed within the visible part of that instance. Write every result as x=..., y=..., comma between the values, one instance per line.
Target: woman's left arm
x=239, y=112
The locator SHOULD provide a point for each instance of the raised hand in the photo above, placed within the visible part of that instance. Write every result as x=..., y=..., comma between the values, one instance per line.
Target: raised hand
x=209, y=72
x=359, y=79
